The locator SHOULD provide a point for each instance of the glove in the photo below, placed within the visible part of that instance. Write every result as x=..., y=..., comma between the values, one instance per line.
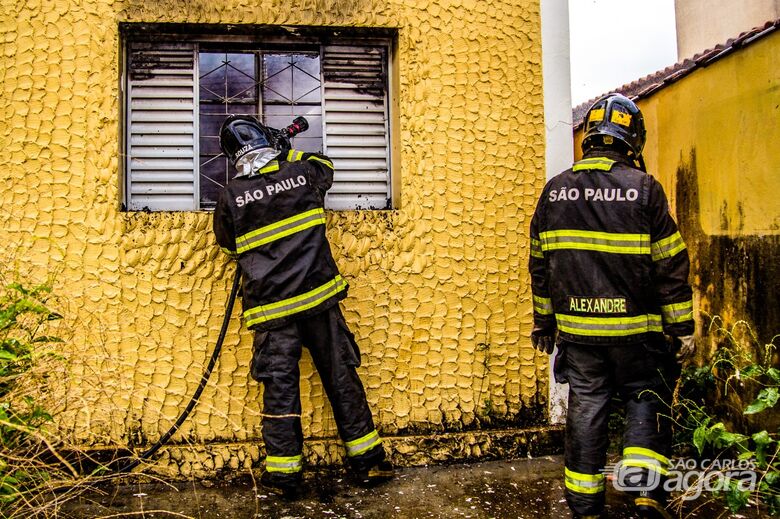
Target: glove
x=543, y=340
x=683, y=347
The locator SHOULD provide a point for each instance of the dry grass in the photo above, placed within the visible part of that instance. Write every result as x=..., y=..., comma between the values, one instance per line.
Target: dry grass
x=41, y=469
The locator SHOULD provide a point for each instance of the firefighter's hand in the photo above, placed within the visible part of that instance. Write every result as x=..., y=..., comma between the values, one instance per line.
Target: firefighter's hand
x=684, y=348
x=543, y=340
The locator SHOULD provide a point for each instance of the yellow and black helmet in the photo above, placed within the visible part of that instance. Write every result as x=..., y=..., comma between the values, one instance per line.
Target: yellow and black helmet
x=613, y=118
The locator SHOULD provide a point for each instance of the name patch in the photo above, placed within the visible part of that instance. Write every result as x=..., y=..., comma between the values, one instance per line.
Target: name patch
x=597, y=305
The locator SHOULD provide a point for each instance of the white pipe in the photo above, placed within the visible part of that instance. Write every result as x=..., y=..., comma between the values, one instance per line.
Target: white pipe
x=559, y=141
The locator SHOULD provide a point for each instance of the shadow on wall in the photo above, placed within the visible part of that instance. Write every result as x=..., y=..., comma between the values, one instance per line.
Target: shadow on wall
x=736, y=277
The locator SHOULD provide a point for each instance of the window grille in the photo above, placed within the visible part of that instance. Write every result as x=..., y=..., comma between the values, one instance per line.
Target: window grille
x=177, y=93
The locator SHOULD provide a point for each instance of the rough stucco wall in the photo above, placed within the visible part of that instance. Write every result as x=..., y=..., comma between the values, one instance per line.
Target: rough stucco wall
x=439, y=298
x=711, y=142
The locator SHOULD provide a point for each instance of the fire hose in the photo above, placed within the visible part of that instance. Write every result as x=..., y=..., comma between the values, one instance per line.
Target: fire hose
x=203, y=380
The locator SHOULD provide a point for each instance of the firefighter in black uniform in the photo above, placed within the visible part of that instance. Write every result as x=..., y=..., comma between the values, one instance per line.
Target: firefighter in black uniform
x=610, y=286
x=271, y=218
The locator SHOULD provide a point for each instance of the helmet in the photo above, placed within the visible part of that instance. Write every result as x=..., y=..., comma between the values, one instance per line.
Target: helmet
x=615, y=117
x=241, y=134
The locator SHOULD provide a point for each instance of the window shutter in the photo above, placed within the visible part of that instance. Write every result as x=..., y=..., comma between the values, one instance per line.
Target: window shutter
x=161, y=116
x=356, y=126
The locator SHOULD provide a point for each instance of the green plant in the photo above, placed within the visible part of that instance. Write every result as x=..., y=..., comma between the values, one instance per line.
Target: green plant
x=41, y=469
x=715, y=405
x=23, y=343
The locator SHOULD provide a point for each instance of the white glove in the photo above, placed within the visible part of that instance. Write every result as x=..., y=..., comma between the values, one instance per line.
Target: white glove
x=685, y=349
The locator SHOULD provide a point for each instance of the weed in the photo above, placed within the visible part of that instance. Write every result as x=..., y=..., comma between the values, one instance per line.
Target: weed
x=715, y=406
x=39, y=469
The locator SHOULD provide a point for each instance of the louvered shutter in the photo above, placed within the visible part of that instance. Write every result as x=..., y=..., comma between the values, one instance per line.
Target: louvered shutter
x=161, y=136
x=356, y=126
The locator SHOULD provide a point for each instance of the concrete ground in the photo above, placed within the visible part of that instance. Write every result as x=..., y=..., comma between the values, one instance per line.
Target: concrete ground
x=517, y=489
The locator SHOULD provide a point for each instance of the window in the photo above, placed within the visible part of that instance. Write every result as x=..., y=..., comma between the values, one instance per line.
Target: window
x=179, y=87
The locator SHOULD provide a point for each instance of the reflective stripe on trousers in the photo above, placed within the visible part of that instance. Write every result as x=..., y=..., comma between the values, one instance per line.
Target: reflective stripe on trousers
x=363, y=444
x=647, y=459
x=584, y=483
x=285, y=464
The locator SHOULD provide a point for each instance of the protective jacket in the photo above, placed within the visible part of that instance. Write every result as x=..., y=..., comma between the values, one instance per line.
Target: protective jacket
x=274, y=222
x=607, y=262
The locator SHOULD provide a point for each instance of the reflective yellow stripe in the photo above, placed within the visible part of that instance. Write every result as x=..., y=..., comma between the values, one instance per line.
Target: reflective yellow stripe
x=667, y=247
x=294, y=305
x=294, y=155
x=616, y=243
x=581, y=489
x=280, y=229
x=608, y=326
x=363, y=444
x=646, y=459
x=536, y=248
x=270, y=167
x=677, y=312
x=229, y=252
x=543, y=305
x=640, y=452
x=598, y=163
x=326, y=162
x=584, y=483
x=286, y=464
x=583, y=477
x=646, y=464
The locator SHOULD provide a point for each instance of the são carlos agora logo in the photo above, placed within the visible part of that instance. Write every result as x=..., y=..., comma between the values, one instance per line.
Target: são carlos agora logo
x=687, y=476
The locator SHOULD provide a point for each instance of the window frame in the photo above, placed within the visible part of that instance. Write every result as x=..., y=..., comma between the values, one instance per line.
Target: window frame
x=260, y=39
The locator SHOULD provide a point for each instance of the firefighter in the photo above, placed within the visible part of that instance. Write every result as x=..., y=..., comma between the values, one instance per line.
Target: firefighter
x=271, y=218
x=609, y=274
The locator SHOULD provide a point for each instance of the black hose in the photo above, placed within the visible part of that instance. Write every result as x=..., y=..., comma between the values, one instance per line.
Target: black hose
x=203, y=380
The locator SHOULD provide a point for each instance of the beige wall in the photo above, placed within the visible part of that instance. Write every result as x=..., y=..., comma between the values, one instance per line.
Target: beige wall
x=702, y=24
x=439, y=299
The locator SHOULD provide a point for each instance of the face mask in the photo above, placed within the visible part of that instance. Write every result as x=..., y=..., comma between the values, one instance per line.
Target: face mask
x=250, y=163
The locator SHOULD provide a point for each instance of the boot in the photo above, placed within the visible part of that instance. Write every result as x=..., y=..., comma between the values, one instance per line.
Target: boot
x=372, y=474
x=650, y=508
x=287, y=486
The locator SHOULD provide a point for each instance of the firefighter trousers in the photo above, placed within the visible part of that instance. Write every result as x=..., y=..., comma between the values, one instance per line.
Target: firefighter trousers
x=335, y=354
x=642, y=378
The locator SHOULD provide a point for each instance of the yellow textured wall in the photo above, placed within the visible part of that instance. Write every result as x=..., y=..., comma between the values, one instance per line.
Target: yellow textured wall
x=712, y=142
x=439, y=297
x=729, y=114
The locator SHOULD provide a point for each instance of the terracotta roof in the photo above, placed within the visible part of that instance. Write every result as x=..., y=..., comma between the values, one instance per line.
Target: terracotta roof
x=648, y=85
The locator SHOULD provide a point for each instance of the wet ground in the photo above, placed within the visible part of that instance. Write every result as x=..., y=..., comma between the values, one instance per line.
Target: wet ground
x=517, y=489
